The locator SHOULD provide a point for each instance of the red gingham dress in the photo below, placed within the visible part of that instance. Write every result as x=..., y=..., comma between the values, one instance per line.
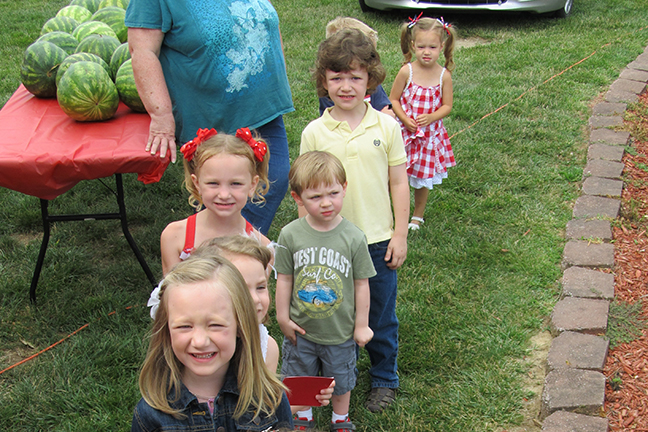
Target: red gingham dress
x=429, y=153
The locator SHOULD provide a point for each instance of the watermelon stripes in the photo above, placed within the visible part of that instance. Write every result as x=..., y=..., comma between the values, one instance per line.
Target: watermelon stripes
x=86, y=92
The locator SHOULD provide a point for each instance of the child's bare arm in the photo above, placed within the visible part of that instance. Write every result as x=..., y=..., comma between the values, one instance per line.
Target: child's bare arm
x=171, y=243
x=446, y=103
x=362, y=333
x=388, y=111
x=283, y=294
x=272, y=355
x=399, y=189
x=394, y=97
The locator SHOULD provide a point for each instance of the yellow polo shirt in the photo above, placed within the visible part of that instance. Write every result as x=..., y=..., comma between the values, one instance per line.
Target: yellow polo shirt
x=366, y=153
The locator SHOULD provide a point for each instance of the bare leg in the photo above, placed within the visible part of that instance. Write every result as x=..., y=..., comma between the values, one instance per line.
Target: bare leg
x=420, y=200
x=341, y=403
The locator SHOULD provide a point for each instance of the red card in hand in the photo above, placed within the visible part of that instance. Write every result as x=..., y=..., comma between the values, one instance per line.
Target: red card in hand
x=303, y=389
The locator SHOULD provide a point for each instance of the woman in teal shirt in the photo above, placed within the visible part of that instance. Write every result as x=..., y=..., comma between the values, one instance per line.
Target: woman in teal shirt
x=213, y=64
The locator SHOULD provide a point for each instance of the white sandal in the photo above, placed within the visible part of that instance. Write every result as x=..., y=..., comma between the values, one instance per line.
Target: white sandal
x=414, y=227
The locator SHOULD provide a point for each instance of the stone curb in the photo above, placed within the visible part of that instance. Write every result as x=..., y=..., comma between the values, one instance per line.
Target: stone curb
x=574, y=389
x=588, y=206
x=563, y=421
x=573, y=350
x=589, y=230
x=586, y=254
x=603, y=168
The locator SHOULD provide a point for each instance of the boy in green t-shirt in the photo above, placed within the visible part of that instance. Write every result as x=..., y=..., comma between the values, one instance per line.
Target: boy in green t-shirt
x=323, y=266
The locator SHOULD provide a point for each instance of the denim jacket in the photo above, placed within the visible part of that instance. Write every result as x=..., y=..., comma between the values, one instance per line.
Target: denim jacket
x=198, y=418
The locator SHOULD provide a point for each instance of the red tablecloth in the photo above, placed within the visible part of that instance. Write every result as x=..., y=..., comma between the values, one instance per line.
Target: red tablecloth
x=44, y=153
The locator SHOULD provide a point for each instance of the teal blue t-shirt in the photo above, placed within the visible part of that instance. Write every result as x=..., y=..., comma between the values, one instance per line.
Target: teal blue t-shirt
x=222, y=61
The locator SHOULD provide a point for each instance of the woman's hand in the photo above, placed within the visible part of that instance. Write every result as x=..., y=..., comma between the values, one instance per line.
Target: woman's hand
x=162, y=135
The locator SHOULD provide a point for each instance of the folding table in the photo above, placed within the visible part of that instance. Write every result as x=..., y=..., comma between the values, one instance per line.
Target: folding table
x=44, y=153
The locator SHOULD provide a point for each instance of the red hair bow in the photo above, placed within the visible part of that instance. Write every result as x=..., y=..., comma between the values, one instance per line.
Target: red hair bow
x=259, y=147
x=189, y=148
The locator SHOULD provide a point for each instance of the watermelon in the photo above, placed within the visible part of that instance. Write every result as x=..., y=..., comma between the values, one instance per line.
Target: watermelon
x=86, y=92
x=120, y=55
x=114, y=17
x=40, y=64
x=92, y=27
x=82, y=56
x=91, y=5
x=125, y=83
x=60, y=23
x=119, y=3
x=79, y=13
x=62, y=40
x=101, y=45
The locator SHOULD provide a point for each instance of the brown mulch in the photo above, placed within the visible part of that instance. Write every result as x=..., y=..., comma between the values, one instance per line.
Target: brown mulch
x=626, y=368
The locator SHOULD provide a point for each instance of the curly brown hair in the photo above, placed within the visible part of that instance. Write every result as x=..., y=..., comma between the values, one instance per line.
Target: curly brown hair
x=346, y=50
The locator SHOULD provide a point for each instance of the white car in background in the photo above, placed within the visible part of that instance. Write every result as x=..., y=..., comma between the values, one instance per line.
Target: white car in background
x=561, y=8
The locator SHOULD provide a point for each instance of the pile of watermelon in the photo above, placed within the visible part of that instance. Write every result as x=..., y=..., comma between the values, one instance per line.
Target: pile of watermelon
x=82, y=59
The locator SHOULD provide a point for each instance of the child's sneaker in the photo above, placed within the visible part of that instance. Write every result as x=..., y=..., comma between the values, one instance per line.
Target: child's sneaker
x=342, y=426
x=303, y=424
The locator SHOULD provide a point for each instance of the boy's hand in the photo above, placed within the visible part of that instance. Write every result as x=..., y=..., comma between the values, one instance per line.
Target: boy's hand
x=396, y=252
x=324, y=398
x=362, y=335
x=289, y=328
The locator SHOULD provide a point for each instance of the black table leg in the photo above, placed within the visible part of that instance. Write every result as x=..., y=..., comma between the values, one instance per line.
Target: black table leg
x=127, y=234
x=47, y=219
x=43, y=249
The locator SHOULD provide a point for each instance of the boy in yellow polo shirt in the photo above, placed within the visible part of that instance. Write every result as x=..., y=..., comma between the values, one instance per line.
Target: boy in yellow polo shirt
x=370, y=146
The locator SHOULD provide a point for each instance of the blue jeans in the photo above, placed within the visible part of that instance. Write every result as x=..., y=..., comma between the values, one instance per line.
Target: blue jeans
x=383, y=348
x=261, y=215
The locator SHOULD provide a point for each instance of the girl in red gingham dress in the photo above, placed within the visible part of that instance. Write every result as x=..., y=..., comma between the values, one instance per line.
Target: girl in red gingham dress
x=421, y=96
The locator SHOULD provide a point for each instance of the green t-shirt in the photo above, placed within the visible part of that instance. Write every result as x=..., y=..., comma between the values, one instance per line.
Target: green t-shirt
x=324, y=266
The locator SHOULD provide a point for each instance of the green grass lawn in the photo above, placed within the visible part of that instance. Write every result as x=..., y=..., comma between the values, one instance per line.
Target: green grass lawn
x=481, y=276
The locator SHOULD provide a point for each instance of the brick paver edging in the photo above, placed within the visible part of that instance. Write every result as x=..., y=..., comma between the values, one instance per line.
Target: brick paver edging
x=574, y=388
